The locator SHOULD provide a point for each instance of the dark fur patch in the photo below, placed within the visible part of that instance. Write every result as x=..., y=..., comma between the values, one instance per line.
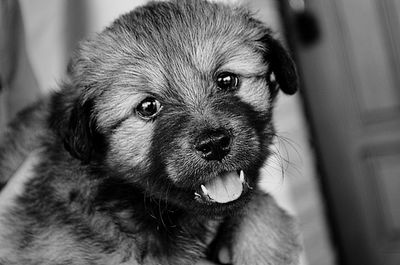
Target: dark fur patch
x=281, y=64
x=73, y=121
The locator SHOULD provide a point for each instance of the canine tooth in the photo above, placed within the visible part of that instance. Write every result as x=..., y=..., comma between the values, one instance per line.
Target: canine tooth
x=204, y=189
x=272, y=77
x=241, y=177
x=248, y=186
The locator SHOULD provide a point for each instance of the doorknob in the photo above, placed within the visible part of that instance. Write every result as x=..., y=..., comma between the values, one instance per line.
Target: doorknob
x=301, y=24
x=306, y=27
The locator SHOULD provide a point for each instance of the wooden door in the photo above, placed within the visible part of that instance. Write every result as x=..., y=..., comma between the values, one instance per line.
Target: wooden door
x=351, y=91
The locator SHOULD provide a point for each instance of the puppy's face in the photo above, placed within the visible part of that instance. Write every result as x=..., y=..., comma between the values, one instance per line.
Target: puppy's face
x=179, y=96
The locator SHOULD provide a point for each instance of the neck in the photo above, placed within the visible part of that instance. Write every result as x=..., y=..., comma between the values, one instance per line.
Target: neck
x=164, y=228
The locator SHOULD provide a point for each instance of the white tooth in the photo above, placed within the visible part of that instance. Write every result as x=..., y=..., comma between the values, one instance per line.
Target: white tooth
x=241, y=177
x=272, y=77
x=204, y=189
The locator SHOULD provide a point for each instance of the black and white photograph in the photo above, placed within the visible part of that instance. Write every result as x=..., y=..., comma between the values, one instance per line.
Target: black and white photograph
x=199, y=132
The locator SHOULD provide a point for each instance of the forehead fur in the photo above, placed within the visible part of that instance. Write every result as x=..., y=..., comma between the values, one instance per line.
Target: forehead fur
x=186, y=25
x=168, y=42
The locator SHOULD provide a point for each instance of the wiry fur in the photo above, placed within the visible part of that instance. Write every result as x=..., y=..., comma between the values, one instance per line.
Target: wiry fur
x=113, y=188
x=22, y=136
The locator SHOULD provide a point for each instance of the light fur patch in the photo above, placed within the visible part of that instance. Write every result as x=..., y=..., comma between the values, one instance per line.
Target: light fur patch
x=53, y=244
x=245, y=63
x=171, y=168
x=172, y=172
x=238, y=58
x=117, y=107
x=131, y=142
x=15, y=186
x=132, y=87
x=275, y=237
x=204, y=56
x=255, y=92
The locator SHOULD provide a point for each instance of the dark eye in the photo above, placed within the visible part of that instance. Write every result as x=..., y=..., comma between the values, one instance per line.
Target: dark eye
x=148, y=108
x=227, y=81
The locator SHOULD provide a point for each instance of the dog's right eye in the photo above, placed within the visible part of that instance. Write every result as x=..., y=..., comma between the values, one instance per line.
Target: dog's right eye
x=148, y=108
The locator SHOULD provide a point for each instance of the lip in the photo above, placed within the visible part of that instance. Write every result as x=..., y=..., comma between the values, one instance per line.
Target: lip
x=202, y=194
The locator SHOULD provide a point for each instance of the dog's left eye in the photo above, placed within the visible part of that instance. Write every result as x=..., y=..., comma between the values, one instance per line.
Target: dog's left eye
x=148, y=108
x=227, y=81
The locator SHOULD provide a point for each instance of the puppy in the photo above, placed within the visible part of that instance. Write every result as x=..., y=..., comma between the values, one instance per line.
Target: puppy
x=151, y=150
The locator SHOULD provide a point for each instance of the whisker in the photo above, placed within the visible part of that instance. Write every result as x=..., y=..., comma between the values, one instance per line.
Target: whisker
x=284, y=147
x=161, y=212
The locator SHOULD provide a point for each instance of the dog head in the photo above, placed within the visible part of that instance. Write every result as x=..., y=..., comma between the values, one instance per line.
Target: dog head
x=176, y=99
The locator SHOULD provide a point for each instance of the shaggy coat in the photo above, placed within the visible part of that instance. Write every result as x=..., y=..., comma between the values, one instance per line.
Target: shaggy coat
x=170, y=101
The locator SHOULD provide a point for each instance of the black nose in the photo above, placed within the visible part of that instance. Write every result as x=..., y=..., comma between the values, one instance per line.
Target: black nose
x=214, y=144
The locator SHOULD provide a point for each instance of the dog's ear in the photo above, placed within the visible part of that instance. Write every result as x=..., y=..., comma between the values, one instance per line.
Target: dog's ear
x=72, y=120
x=281, y=65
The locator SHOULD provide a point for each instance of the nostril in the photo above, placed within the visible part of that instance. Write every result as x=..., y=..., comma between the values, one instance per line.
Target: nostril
x=204, y=147
x=213, y=144
x=224, y=141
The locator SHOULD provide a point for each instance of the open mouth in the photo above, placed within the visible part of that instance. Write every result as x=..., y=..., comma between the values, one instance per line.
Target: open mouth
x=225, y=188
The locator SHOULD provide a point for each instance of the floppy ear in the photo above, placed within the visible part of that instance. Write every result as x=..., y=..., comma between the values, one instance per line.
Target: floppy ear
x=281, y=65
x=72, y=120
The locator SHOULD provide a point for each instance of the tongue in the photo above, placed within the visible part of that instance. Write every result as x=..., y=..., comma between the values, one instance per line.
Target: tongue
x=225, y=188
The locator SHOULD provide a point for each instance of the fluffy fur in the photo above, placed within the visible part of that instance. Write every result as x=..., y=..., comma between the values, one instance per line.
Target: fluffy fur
x=111, y=187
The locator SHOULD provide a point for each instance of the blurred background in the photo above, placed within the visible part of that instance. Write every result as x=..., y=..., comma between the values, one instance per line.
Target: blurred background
x=337, y=162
